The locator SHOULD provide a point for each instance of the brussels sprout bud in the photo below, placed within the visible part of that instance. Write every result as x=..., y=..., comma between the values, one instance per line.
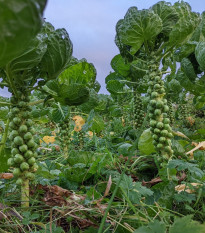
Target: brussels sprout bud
x=159, y=104
x=29, y=175
x=31, y=161
x=157, y=79
x=19, y=181
x=22, y=104
x=24, y=166
x=155, y=136
x=162, y=139
x=10, y=162
x=23, y=129
x=157, y=112
x=166, y=108
x=18, y=158
x=23, y=148
x=157, y=131
x=154, y=95
x=14, y=151
x=153, y=123
x=164, y=133
x=157, y=86
x=160, y=125
x=29, y=122
x=31, y=143
x=16, y=172
x=28, y=154
x=159, y=146
x=166, y=121
x=28, y=136
x=18, y=140
x=12, y=125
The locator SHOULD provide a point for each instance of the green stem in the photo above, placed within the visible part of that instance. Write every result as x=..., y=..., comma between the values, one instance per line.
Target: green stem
x=133, y=207
x=5, y=104
x=10, y=81
x=25, y=194
x=38, y=102
x=3, y=140
x=112, y=198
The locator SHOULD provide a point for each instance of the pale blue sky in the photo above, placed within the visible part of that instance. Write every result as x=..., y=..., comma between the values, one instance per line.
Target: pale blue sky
x=91, y=27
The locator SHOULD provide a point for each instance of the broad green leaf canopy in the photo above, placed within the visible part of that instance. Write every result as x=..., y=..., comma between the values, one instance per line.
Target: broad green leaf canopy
x=20, y=21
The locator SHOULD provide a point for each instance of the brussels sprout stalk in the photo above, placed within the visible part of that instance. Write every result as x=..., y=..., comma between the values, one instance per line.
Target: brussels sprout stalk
x=158, y=109
x=25, y=194
x=23, y=147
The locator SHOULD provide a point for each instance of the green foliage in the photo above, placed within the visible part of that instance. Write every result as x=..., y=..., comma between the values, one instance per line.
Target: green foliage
x=137, y=27
x=152, y=227
x=182, y=165
x=58, y=53
x=145, y=143
x=200, y=54
x=74, y=94
x=81, y=73
x=186, y=224
x=18, y=27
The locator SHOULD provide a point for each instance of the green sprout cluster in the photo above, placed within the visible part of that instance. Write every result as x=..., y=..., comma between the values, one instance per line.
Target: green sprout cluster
x=138, y=111
x=23, y=146
x=171, y=111
x=64, y=134
x=158, y=115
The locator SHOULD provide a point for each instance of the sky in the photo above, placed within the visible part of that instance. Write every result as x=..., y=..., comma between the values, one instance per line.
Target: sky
x=91, y=27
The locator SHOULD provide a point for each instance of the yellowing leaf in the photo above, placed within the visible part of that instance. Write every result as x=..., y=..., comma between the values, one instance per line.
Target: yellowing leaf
x=200, y=146
x=90, y=134
x=183, y=187
x=79, y=122
x=190, y=120
x=6, y=176
x=48, y=139
x=180, y=134
x=53, y=133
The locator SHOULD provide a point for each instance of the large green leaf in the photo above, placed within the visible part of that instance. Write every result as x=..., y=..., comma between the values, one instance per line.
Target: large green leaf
x=188, y=69
x=113, y=76
x=59, y=51
x=200, y=54
x=183, y=8
x=20, y=21
x=74, y=94
x=174, y=86
x=137, y=27
x=138, y=69
x=182, y=31
x=186, y=224
x=77, y=173
x=115, y=87
x=4, y=156
x=145, y=144
x=91, y=103
x=168, y=15
x=30, y=58
x=184, y=51
x=195, y=88
x=152, y=227
x=118, y=64
x=98, y=124
x=59, y=113
x=81, y=73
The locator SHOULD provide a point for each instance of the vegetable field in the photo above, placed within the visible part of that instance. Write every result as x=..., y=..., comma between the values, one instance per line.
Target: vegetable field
x=73, y=160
